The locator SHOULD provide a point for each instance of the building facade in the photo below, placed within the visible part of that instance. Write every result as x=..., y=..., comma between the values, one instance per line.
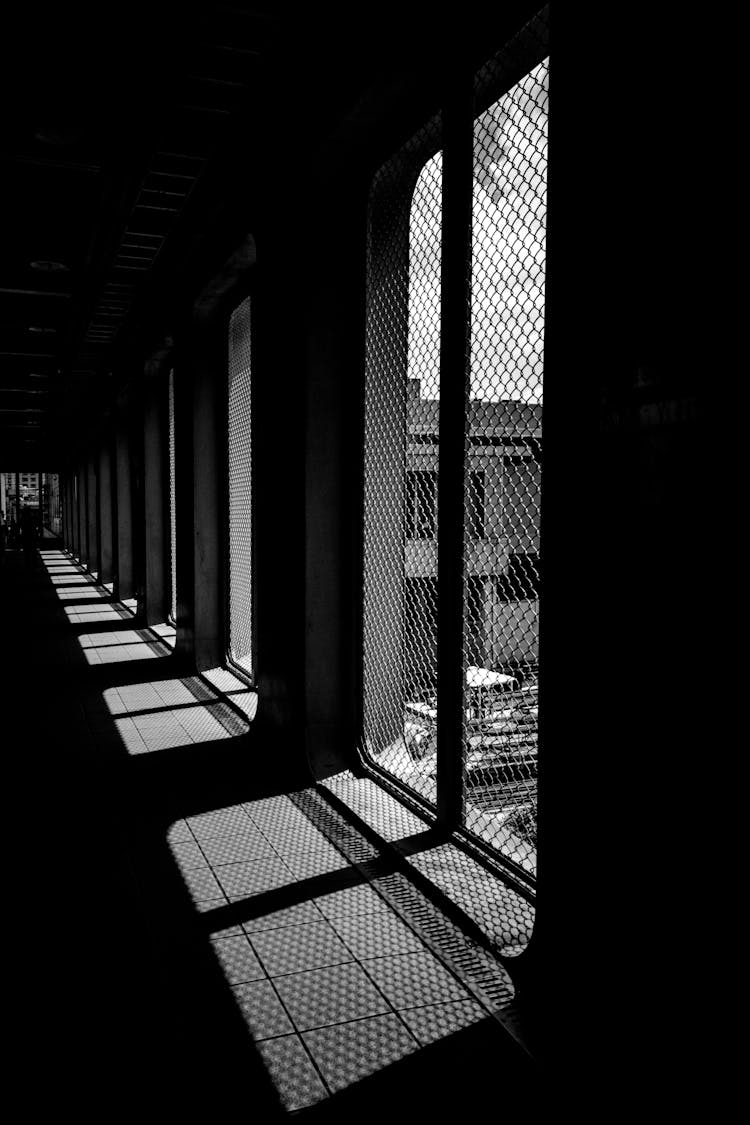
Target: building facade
x=502, y=532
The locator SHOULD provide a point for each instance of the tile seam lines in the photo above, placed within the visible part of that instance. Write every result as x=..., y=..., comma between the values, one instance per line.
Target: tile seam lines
x=476, y=991
x=355, y=960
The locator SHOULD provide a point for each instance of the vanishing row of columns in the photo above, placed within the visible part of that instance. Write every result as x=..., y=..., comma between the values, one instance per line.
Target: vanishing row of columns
x=116, y=505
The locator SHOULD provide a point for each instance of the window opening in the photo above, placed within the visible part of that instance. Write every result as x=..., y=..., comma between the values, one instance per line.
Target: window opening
x=240, y=488
x=172, y=505
x=501, y=526
x=507, y=360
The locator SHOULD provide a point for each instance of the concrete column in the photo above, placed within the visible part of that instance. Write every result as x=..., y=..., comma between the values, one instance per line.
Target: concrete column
x=184, y=377
x=200, y=505
x=124, y=577
x=62, y=506
x=384, y=483
x=106, y=568
x=156, y=515
x=70, y=501
x=67, y=510
x=79, y=509
x=73, y=511
x=92, y=559
x=84, y=500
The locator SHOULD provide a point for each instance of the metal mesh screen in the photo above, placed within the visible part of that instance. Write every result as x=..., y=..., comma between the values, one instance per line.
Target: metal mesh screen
x=502, y=526
x=240, y=488
x=503, y=456
x=172, y=506
x=400, y=471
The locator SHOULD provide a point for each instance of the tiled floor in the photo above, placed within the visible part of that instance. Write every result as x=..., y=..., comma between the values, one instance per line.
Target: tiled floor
x=336, y=986
x=269, y=905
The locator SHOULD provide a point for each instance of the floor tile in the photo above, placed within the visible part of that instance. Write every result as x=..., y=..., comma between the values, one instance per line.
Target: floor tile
x=330, y=995
x=237, y=959
x=161, y=732
x=411, y=979
x=235, y=848
x=186, y=854
x=201, y=884
x=254, y=876
x=130, y=736
x=262, y=1010
x=200, y=724
x=295, y=915
x=349, y=1052
x=293, y=1074
x=220, y=823
x=173, y=692
x=315, y=864
x=179, y=831
x=376, y=935
x=296, y=948
x=139, y=697
x=436, y=1021
x=359, y=899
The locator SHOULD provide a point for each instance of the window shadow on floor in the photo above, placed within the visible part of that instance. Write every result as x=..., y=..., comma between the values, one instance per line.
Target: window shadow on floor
x=204, y=944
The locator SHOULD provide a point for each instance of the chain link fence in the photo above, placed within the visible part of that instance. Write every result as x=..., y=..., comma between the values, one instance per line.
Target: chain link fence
x=503, y=456
x=502, y=529
x=239, y=413
x=172, y=505
x=400, y=487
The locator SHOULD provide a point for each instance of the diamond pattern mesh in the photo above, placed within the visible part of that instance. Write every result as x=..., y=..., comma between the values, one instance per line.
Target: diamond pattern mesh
x=503, y=461
x=240, y=488
x=172, y=506
x=400, y=534
x=502, y=526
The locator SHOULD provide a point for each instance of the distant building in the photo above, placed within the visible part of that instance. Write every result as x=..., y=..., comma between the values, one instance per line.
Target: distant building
x=502, y=549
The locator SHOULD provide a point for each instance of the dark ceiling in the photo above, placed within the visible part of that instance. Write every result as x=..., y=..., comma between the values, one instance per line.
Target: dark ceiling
x=115, y=122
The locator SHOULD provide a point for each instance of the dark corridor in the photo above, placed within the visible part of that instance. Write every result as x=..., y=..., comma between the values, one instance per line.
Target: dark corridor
x=350, y=718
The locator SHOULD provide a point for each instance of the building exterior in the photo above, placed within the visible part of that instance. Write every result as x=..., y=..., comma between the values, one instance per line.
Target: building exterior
x=502, y=544
x=32, y=490
x=28, y=487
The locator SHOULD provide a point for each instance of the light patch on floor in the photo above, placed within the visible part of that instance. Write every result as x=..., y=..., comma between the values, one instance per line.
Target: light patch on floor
x=333, y=986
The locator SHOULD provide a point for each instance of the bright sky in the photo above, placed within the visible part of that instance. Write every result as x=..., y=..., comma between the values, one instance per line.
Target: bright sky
x=508, y=255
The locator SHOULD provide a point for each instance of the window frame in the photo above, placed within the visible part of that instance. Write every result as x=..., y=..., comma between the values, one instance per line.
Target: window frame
x=495, y=78
x=244, y=290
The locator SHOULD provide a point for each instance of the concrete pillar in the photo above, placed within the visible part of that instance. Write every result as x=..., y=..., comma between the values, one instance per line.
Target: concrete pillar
x=106, y=567
x=79, y=508
x=156, y=514
x=92, y=556
x=200, y=508
x=70, y=506
x=385, y=482
x=83, y=494
x=124, y=576
x=65, y=508
x=70, y=502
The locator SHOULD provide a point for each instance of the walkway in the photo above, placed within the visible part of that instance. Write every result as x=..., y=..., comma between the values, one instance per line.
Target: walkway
x=193, y=929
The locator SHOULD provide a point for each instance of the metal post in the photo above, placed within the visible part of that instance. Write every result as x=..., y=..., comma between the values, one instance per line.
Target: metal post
x=458, y=158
